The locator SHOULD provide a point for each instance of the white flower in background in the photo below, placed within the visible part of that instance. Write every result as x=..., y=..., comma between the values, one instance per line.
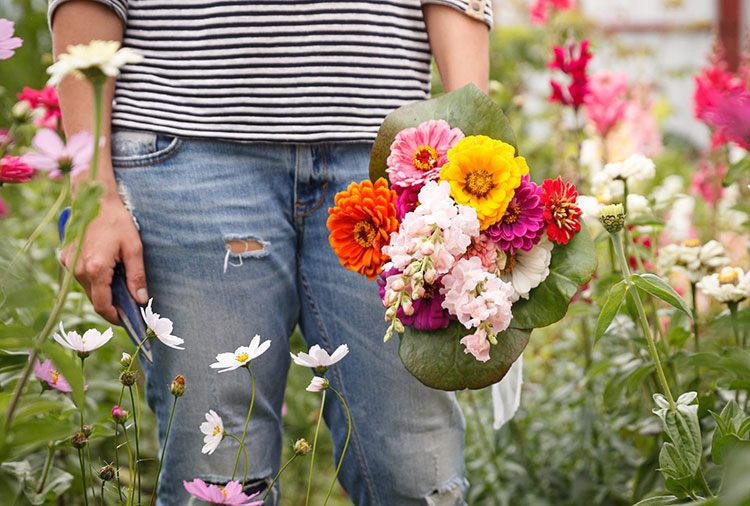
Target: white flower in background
x=713, y=255
x=634, y=169
x=102, y=55
x=729, y=218
x=213, y=428
x=606, y=188
x=729, y=285
x=638, y=205
x=160, y=328
x=736, y=153
x=670, y=188
x=526, y=269
x=591, y=155
x=91, y=340
x=317, y=384
x=318, y=358
x=692, y=258
x=241, y=356
x=589, y=206
x=680, y=222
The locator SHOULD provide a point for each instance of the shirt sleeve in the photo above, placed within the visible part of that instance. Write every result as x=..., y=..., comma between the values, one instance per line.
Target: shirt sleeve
x=477, y=9
x=120, y=7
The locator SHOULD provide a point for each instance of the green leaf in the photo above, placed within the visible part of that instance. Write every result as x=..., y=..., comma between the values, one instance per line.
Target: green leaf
x=572, y=265
x=734, y=362
x=662, y=500
x=437, y=358
x=683, y=428
x=646, y=220
x=671, y=463
x=467, y=108
x=744, y=429
x=85, y=208
x=610, y=308
x=68, y=367
x=725, y=445
x=735, y=170
x=657, y=287
x=635, y=378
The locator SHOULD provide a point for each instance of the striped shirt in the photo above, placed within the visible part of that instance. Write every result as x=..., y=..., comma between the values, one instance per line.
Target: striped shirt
x=295, y=71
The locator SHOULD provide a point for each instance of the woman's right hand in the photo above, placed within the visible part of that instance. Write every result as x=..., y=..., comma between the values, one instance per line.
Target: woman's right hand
x=110, y=238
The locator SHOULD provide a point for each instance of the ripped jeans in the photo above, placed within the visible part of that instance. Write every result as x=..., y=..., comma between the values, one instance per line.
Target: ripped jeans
x=235, y=244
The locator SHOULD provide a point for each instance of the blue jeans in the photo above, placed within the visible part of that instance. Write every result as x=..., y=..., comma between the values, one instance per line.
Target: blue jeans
x=189, y=198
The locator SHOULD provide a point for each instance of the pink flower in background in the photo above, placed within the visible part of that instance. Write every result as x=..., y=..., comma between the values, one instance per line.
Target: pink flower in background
x=56, y=158
x=539, y=9
x=606, y=101
x=730, y=114
x=707, y=182
x=47, y=373
x=417, y=154
x=575, y=67
x=4, y=213
x=47, y=99
x=13, y=170
x=7, y=42
x=231, y=493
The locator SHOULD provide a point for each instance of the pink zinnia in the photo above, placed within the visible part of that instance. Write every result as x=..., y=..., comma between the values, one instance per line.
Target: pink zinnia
x=47, y=373
x=606, y=102
x=7, y=42
x=407, y=199
x=575, y=67
x=13, y=170
x=417, y=154
x=231, y=493
x=57, y=158
x=522, y=225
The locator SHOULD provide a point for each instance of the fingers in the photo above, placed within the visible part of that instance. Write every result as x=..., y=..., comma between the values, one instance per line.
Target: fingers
x=132, y=257
x=98, y=271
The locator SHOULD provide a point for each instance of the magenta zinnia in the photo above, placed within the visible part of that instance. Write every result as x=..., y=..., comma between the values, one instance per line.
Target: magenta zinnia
x=522, y=225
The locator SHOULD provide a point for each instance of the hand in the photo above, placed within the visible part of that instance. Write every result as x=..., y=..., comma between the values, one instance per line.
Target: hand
x=110, y=238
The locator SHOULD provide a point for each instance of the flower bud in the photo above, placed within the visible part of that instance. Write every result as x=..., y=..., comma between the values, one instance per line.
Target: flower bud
x=407, y=307
x=390, y=298
x=427, y=249
x=612, y=217
x=87, y=430
x=107, y=473
x=177, y=388
x=417, y=276
x=78, y=440
x=389, y=314
x=302, y=447
x=119, y=415
x=126, y=359
x=398, y=326
x=127, y=378
x=21, y=111
x=317, y=384
x=430, y=275
x=397, y=285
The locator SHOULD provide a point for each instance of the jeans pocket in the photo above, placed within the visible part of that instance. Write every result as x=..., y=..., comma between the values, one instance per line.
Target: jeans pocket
x=131, y=148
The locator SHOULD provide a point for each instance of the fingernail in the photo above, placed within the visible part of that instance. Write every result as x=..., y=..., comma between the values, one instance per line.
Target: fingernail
x=142, y=295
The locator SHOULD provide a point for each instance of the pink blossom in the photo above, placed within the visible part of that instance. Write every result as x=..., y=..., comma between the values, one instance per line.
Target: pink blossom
x=477, y=344
x=575, y=67
x=407, y=200
x=47, y=373
x=605, y=102
x=55, y=157
x=417, y=154
x=539, y=9
x=4, y=213
x=231, y=493
x=730, y=114
x=485, y=249
x=7, y=42
x=45, y=98
x=707, y=182
x=118, y=414
x=13, y=170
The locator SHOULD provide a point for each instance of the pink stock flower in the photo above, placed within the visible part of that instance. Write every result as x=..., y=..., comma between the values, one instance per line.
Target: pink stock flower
x=605, y=102
x=7, y=42
x=13, y=170
x=539, y=9
x=575, y=67
x=417, y=154
x=730, y=114
x=231, y=493
x=47, y=373
x=707, y=182
x=485, y=249
x=56, y=158
x=477, y=344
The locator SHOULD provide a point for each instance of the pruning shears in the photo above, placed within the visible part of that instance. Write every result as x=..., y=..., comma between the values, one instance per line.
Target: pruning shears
x=127, y=308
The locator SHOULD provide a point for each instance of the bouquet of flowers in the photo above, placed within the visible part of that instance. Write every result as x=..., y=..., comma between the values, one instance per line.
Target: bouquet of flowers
x=469, y=253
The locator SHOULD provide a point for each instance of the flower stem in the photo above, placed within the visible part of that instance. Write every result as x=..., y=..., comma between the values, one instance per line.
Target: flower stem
x=244, y=451
x=137, y=445
x=695, y=316
x=268, y=490
x=83, y=403
x=130, y=466
x=348, y=434
x=98, y=86
x=244, y=432
x=83, y=477
x=47, y=465
x=117, y=464
x=315, y=444
x=617, y=243
x=161, y=460
x=735, y=330
x=703, y=483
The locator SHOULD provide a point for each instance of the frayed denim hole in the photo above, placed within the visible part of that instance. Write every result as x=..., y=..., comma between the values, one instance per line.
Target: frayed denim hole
x=451, y=493
x=124, y=195
x=247, y=246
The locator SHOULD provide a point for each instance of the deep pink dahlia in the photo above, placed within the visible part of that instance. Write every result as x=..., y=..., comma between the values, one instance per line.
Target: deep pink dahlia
x=522, y=226
x=13, y=170
x=417, y=154
x=231, y=493
x=428, y=310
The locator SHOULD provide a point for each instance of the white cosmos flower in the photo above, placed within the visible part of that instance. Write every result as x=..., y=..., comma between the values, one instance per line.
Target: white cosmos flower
x=526, y=269
x=729, y=285
x=91, y=340
x=318, y=358
x=104, y=55
x=213, y=428
x=241, y=356
x=317, y=384
x=161, y=327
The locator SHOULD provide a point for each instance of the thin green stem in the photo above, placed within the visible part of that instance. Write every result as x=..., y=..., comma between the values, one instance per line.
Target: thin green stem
x=117, y=464
x=346, y=444
x=161, y=460
x=315, y=444
x=98, y=86
x=703, y=483
x=102, y=492
x=244, y=432
x=83, y=477
x=47, y=465
x=695, y=316
x=617, y=243
x=83, y=403
x=130, y=466
x=735, y=329
x=137, y=444
x=244, y=451
x=268, y=490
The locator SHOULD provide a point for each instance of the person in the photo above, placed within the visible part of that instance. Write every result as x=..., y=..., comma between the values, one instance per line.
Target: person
x=227, y=146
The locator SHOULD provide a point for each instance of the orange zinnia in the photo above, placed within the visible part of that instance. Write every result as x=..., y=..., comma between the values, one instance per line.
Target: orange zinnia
x=361, y=223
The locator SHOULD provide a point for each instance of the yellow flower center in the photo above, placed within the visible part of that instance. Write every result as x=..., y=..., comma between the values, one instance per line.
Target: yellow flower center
x=242, y=358
x=223, y=491
x=425, y=158
x=54, y=375
x=479, y=183
x=216, y=430
x=728, y=277
x=510, y=263
x=512, y=214
x=364, y=233
x=692, y=243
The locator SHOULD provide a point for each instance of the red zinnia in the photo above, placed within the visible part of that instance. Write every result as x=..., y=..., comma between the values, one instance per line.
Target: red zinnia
x=575, y=93
x=560, y=210
x=13, y=170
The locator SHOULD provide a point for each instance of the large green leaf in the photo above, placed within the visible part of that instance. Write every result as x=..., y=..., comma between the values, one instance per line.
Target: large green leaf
x=467, y=108
x=437, y=358
x=572, y=265
x=610, y=308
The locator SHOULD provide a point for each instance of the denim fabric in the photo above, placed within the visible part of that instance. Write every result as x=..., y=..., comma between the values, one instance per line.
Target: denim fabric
x=189, y=197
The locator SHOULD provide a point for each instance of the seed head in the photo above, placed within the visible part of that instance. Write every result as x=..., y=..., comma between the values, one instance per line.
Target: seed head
x=177, y=388
x=612, y=217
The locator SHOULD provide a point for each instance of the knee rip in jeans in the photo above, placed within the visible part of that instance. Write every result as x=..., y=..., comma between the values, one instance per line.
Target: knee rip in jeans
x=240, y=247
x=452, y=493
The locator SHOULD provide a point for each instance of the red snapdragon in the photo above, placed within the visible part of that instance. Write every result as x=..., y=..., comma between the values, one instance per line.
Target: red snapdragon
x=575, y=67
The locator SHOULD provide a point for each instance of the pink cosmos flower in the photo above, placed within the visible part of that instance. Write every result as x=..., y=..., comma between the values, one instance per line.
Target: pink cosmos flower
x=477, y=344
x=231, y=493
x=7, y=42
x=417, y=154
x=47, y=99
x=605, y=102
x=56, y=158
x=13, y=170
x=47, y=373
x=575, y=67
x=539, y=9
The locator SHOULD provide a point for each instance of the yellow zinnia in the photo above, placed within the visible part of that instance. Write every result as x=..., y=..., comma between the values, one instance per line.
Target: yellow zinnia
x=483, y=174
